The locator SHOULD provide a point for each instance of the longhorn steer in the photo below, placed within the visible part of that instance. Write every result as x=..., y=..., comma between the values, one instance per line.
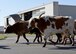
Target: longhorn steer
x=19, y=28
x=49, y=25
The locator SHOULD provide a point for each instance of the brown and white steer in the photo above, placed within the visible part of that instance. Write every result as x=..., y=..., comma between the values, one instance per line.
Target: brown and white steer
x=49, y=25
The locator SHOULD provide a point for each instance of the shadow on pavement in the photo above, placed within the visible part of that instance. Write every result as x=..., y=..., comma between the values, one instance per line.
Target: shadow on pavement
x=62, y=47
x=4, y=47
x=55, y=47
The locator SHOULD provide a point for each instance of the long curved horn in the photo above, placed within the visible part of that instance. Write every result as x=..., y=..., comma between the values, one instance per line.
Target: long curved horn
x=41, y=15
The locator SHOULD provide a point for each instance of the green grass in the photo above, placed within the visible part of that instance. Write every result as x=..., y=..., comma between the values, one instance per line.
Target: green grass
x=2, y=37
x=12, y=34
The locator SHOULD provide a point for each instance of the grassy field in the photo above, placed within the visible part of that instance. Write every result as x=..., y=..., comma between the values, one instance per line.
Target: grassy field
x=2, y=36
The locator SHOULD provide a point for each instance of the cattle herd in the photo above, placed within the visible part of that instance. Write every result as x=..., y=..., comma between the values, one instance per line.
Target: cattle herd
x=64, y=27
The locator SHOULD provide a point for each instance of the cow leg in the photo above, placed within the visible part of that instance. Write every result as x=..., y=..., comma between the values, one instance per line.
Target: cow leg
x=72, y=38
x=35, y=38
x=40, y=37
x=25, y=38
x=45, y=38
x=50, y=39
x=18, y=38
x=65, y=40
x=45, y=42
x=73, y=41
x=72, y=35
x=59, y=37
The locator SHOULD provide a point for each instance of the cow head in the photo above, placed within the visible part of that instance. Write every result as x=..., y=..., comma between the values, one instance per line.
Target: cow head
x=33, y=23
x=9, y=29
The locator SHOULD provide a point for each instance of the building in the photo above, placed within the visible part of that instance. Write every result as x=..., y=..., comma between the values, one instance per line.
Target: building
x=51, y=9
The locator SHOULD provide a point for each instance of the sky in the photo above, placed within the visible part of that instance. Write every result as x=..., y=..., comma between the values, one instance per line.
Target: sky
x=8, y=7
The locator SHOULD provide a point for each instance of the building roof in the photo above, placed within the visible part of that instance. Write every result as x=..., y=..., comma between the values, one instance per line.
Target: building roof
x=31, y=9
x=35, y=8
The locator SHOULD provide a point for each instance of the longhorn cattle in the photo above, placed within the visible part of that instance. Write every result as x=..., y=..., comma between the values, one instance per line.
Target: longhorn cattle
x=19, y=28
x=52, y=25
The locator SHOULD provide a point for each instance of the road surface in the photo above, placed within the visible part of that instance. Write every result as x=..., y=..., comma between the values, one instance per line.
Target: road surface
x=8, y=46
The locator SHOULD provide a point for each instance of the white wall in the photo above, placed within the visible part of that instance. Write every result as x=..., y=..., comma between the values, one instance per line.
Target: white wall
x=37, y=12
x=52, y=9
x=49, y=9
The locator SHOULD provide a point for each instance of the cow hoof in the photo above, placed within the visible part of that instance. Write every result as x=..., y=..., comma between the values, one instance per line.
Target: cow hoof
x=72, y=44
x=44, y=45
x=27, y=41
x=16, y=42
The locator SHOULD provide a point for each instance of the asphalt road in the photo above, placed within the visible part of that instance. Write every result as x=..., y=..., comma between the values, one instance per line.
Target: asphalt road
x=8, y=46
